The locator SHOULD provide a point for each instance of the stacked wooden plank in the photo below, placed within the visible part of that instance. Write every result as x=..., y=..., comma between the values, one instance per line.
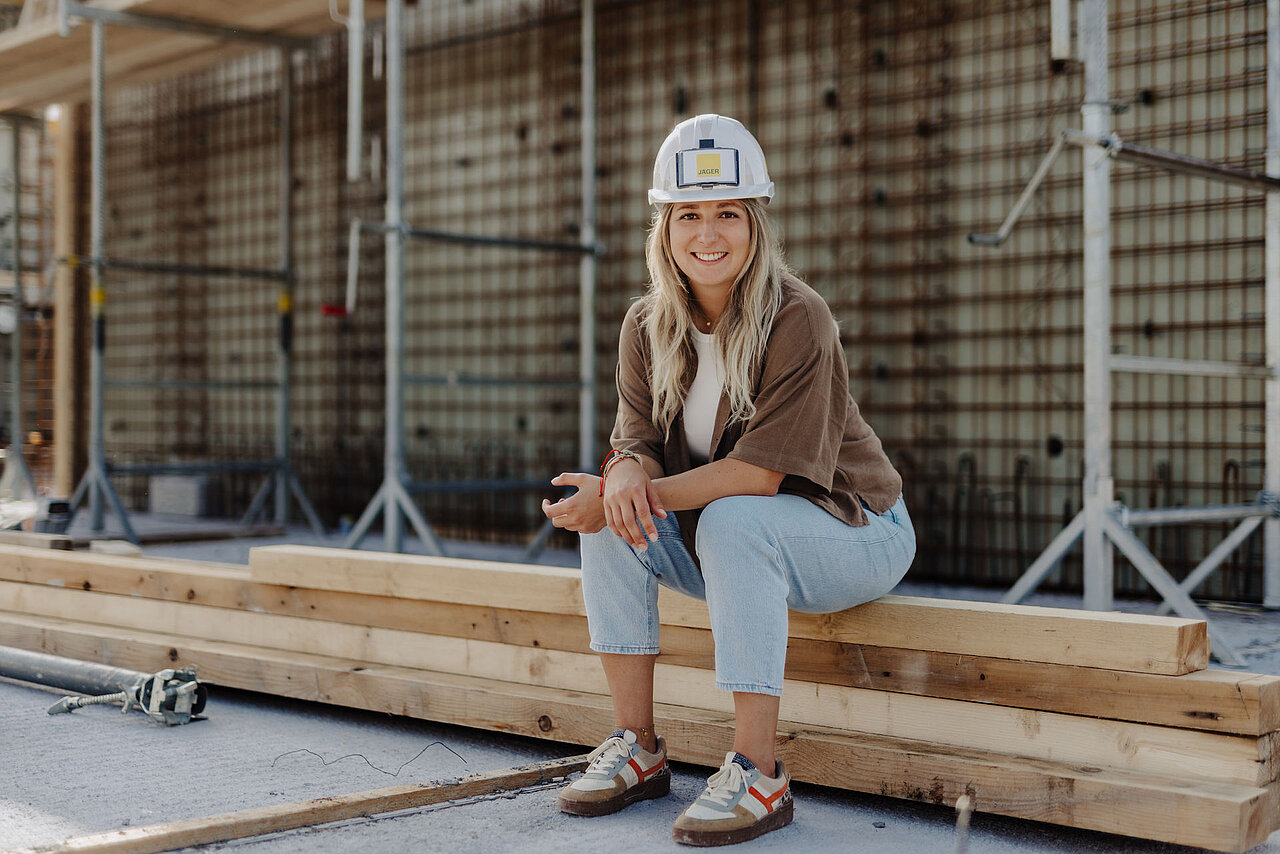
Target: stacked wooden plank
x=1100, y=721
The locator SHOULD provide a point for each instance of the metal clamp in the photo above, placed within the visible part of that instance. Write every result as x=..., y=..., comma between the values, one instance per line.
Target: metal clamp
x=170, y=697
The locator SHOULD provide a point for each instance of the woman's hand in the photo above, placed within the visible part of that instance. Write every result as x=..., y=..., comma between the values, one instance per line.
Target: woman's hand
x=630, y=503
x=583, y=511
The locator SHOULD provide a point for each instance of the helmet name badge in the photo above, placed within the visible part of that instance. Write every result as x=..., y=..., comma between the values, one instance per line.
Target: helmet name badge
x=706, y=167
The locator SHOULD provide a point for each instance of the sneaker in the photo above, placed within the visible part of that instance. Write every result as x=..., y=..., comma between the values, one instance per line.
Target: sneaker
x=738, y=804
x=620, y=772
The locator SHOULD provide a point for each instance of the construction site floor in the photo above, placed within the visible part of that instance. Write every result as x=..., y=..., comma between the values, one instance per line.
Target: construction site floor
x=96, y=770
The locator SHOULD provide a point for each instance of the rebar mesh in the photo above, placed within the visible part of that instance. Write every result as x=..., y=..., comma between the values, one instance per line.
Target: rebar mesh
x=893, y=130
x=192, y=179
x=35, y=312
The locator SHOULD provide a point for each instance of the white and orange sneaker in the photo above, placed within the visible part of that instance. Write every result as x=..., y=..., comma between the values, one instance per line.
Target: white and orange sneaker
x=620, y=772
x=739, y=803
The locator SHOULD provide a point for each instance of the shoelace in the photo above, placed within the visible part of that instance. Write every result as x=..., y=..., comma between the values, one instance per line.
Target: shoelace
x=723, y=785
x=604, y=757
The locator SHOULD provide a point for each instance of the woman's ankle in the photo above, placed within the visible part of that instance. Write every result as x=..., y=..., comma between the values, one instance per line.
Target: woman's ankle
x=646, y=737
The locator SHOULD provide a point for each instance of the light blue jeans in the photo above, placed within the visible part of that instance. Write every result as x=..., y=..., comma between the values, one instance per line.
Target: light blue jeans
x=760, y=555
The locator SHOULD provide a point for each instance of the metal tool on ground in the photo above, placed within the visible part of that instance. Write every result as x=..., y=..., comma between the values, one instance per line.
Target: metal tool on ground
x=170, y=697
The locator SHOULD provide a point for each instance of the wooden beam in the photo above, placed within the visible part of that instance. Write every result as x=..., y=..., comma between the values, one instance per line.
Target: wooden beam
x=263, y=820
x=68, y=425
x=1035, y=734
x=35, y=540
x=1213, y=700
x=551, y=589
x=1213, y=816
x=1113, y=641
x=1203, y=815
x=37, y=66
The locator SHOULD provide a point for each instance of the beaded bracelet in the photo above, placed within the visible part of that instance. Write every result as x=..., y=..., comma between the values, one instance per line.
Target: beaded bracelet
x=612, y=457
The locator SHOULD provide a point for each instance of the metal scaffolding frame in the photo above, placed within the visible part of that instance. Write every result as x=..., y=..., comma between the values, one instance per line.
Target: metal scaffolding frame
x=1105, y=522
x=280, y=477
x=17, y=474
x=394, y=495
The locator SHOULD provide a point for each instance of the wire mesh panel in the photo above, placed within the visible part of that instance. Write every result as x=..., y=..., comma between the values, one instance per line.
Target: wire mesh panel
x=32, y=204
x=337, y=391
x=37, y=337
x=493, y=142
x=192, y=179
x=969, y=359
x=895, y=129
x=892, y=129
x=1189, y=270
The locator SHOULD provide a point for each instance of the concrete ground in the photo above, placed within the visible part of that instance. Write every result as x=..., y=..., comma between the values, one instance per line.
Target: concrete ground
x=96, y=770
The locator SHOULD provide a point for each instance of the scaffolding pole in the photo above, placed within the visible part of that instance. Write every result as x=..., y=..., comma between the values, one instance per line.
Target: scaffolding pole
x=96, y=484
x=16, y=480
x=394, y=497
x=284, y=482
x=589, y=262
x=1271, y=408
x=1099, y=570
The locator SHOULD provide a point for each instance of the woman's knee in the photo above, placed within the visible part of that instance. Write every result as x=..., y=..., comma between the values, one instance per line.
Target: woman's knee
x=735, y=542
x=602, y=550
x=731, y=517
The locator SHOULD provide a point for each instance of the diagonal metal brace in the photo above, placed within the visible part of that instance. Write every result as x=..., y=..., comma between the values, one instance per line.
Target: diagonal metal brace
x=1130, y=152
x=1158, y=577
x=1025, y=199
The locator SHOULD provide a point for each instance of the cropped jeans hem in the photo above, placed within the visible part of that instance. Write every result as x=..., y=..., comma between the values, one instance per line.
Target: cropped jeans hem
x=744, y=688
x=618, y=649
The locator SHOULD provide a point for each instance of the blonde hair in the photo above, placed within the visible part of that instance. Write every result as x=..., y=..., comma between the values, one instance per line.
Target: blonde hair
x=741, y=333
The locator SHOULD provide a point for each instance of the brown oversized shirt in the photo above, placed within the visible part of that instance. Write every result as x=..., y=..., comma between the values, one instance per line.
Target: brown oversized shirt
x=806, y=425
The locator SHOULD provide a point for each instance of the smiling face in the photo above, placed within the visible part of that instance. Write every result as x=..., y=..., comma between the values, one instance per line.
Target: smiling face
x=710, y=242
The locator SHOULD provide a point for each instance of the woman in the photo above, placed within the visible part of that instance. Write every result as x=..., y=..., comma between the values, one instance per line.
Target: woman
x=741, y=473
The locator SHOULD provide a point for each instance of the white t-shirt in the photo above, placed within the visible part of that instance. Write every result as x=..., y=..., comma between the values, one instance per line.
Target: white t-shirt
x=703, y=400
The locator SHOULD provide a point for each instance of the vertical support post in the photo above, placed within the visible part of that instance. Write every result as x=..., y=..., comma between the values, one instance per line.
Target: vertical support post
x=17, y=479
x=1271, y=474
x=15, y=352
x=1098, y=490
x=393, y=497
x=394, y=459
x=588, y=264
x=1060, y=29
x=281, y=481
x=95, y=482
x=68, y=425
x=284, y=302
x=97, y=289
x=355, y=87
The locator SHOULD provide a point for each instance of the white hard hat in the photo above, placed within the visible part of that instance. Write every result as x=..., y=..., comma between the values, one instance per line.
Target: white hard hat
x=709, y=158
